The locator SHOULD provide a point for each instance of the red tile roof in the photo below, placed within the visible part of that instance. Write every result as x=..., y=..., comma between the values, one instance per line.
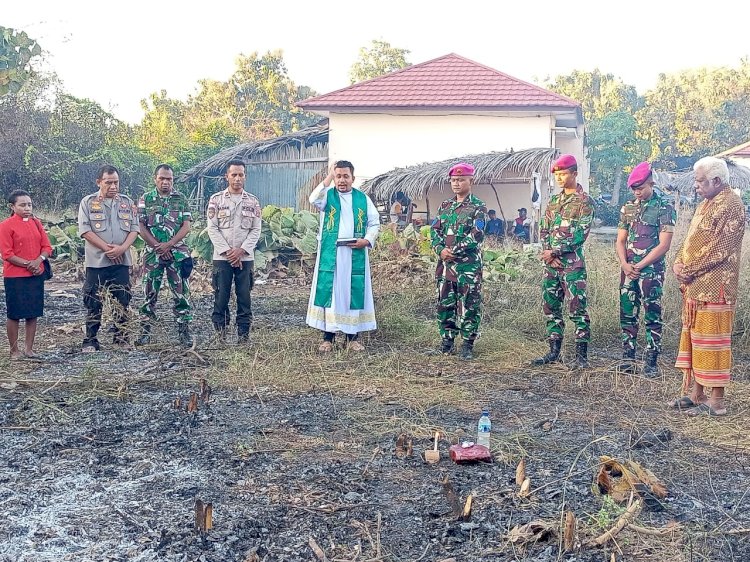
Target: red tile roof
x=740, y=151
x=448, y=81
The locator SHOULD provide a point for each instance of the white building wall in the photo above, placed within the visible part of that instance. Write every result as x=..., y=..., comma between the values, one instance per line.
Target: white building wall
x=377, y=143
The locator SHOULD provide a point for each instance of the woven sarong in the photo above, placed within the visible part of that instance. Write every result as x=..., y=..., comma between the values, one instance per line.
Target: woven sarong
x=705, y=353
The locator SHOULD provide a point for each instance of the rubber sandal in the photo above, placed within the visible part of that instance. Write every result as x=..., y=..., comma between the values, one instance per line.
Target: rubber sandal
x=683, y=403
x=704, y=410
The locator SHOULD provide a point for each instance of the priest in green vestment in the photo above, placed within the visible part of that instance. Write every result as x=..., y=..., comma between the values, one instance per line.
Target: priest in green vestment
x=341, y=294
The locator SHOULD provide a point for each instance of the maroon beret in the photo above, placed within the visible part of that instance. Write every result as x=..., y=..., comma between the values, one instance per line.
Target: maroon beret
x=565, y=162
x=461, y=169
x=640, y=175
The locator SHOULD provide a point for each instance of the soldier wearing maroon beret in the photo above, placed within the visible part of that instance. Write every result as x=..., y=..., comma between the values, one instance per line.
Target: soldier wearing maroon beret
x=457, y=234
x=644, y=235
x=563, y=229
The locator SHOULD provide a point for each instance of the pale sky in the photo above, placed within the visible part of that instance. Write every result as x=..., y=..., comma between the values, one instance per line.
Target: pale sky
x=118, y=53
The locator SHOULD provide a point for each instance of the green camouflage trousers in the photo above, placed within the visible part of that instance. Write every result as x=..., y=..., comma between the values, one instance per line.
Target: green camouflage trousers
x=459, y=309
x=633, y=292
x=556, y=285
x=153, y=274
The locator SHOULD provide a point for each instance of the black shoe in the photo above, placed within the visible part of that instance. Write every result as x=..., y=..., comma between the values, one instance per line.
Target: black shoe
x=447, y=346
x=145, y=336
x=628, y=363
x=582, y=360
x=467, y=351
x=90, y=346
x=552, y=355
x=243, y=334
x=651, y=369
x=183, y=334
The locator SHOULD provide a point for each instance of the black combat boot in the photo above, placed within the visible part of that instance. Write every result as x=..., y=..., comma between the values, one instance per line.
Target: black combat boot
x=552, y=355
x=184, y=335
x=467, y=350
x=628, y=363
x=651, y=369
x=145, y=336
x=447, y=347
x=582, y=356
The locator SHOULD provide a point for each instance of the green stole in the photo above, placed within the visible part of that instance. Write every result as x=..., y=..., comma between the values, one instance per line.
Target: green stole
x=328, y=250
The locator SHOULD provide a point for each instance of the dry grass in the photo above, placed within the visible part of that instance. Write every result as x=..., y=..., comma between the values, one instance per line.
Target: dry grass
x=395, y=387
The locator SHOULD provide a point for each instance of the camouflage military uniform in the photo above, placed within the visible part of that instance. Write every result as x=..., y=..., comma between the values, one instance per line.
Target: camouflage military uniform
x=644, y=221
x=460, y=228
x=164, y=216
x=563, y=229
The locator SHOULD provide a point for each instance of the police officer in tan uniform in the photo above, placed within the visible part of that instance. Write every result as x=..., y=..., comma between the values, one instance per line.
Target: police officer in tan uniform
x=108, y=222
x=234, y=221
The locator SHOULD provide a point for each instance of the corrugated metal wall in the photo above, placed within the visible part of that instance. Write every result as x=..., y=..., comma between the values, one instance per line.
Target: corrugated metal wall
x=279, y=184
x=278, y=177
x=283, y=177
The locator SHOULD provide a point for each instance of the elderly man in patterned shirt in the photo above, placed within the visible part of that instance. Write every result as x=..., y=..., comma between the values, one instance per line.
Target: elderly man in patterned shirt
x=644, y=236
x=707, y=267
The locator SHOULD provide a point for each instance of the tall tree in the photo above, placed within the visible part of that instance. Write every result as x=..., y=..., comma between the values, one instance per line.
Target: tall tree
x=161, y=132
x=614, y=145
x=608, y=106
x=597, y=93
x=80, y=136
x=697, y=112
x=17, y=50
x=377, y=59
x=265, y=96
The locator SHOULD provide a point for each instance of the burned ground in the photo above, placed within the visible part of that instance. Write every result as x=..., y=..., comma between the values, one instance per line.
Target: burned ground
x=296, y=452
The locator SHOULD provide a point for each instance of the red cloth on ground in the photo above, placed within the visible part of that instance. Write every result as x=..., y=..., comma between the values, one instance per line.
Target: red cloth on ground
x=25, y=239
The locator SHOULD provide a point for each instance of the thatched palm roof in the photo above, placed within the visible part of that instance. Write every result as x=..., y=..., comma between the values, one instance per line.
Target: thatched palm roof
x=739, y=178
x=416, y=180
x=214, y=166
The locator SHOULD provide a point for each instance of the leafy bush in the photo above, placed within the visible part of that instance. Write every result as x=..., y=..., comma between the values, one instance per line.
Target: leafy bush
x=285, y=236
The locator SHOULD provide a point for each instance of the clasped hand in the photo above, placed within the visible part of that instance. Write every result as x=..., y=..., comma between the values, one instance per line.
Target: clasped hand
x=115, y=253
x=550, y=259
x=682, y=278
x=234, y=256
x=35, y=266
x=164, y=250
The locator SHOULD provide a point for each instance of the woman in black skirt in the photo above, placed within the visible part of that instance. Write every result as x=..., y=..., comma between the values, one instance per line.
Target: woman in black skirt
x=25, y=248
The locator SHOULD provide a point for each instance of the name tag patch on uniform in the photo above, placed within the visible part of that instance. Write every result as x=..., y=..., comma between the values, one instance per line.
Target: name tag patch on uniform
x=223, y=213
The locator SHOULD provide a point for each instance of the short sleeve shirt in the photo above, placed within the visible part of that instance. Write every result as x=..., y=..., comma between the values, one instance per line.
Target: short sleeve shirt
x=112, y=220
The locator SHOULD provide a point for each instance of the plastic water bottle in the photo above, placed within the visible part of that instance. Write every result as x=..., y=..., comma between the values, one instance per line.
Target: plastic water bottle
x=483, y=429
